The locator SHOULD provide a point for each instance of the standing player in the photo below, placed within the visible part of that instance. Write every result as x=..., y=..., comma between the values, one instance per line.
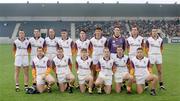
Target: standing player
x=21, y=48
x=141, y=69
x=41, y=71
x=98, y=43
x=154, y=47
x=122, y=70
x=63, y=66
x=36, y=41
x=67, y=44
x=106, y=67
x=83, y=42
x=84, y=71
x=134, y=42
x=116, y=40
x=51, y=44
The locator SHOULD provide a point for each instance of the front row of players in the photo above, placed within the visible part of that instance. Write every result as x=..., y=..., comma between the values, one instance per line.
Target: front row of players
x=137, y=71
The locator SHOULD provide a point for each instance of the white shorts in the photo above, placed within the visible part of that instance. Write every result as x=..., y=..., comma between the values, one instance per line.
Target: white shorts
x=96, y=58
x=63, y=78
x=141, y=79
x=83, y=78
x=40, y=80
x=21, y=61
x=118, y=77
x=107, y=79
x=155, y=59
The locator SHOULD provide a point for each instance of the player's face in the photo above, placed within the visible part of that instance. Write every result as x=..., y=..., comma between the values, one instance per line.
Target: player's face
x=40, y=52
x=51, y=33
x=120, y=51
x=98, y=33
x=154, y=32
x=21, y=34
x=140, y=54
x=134, y=32
x=60, y=53
x=64, y=34
x=82, y=35
x=37, y=33
x=84, y=54
x=106, y=53
x=117, y=32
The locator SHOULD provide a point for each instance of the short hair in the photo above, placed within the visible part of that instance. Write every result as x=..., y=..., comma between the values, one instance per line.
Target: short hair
x=83, y=30
x=117, y=26
x=98, y=28
x=36, y=29
x=134, y=26
x=106, y=48
x=119, y=46
x=84, y=50
x=40, y=48
x=64, y=30
x=60, y=48
x=140, y=48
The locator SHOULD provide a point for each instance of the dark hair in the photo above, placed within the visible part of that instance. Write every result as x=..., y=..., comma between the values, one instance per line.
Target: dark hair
x=64, y=30
x=119, y=46
x=40, y=48
x=134, y=26
x=98, y=28
x=83, y=30
x=140, y=48
x=60, y=48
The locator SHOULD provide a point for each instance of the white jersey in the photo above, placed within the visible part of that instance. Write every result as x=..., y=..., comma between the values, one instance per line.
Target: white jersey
x=140, y=66
x=41, y=65
x=106, y=66
x=134, y=44
x=51, y=45
x=154, y=45
x=66, y=45
x=98, y=45
x=82, y=44
x=62, y=65
x=84, y=66
x=121, y=63
x=21, y=47
x=35, y=44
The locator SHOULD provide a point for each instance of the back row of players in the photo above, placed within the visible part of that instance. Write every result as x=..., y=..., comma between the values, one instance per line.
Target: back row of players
x=98, y=55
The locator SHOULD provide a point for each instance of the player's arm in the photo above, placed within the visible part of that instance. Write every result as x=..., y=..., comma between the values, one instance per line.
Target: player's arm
x=128, y=63
x=109, y=43
x=91, y=66
x=53, y=66
x=14, y=49
x=73, y=50
x=44, y=46
x=106, y=43
x=48, y=68
x=131, y=68
x=70, y=64
x=127, y=46
x=90, y=49
x=124, y=44
x=98, y=67
x=114, y=67
x=34, y=71
x=147, y=47
x=77, y=66
x=161, y=47
x=149, y=67
x=29, y=48
x=142, y=44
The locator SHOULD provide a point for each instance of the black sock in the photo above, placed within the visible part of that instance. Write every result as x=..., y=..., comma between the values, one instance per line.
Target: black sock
x=34, y=84
x=146, y=84
x=160, y=83
x=25, y=86
x=152, y=90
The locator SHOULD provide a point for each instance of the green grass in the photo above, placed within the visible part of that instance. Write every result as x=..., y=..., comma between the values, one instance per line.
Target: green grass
x=171, y=70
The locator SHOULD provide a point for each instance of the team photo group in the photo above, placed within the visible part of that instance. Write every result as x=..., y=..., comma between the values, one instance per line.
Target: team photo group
x=95, y=65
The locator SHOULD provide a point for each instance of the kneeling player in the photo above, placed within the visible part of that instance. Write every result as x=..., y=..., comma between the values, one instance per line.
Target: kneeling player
x=41, y=71
x=63, y=67
x=106, y=67
x=140, y=67
x=122, y=73
x=84, y=71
